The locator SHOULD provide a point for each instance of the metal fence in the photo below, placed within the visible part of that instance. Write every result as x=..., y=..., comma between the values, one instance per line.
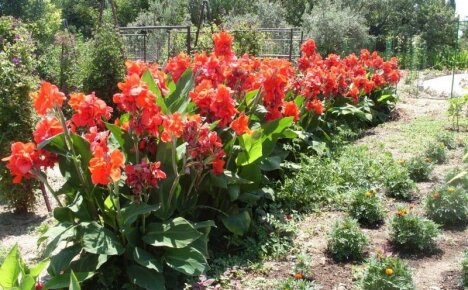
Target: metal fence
x=158, y=43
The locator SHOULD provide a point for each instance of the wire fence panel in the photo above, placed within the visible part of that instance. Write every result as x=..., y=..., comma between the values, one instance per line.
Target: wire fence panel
x=158, y=43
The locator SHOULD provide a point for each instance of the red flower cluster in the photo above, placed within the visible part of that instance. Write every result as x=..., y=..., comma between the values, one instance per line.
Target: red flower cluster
x=47, y=98
x=143, y=176
x=214, y=104
x=176, y=66
x=347, y=77
x=204, y=146
x=46, y=128
x=106, y=167
x=90, y=110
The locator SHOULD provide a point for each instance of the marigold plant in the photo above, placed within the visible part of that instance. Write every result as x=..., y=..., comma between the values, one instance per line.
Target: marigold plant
x=386, y=273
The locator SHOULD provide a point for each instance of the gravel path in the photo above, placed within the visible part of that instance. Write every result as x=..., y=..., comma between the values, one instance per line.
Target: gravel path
x=442, y=85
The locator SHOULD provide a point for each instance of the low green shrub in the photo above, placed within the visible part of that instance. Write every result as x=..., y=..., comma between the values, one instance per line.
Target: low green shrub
x=387, y=273
x=17, y=79
x=464, y=269
x=413, y=233
x=366, y=208
x=419, y=168
x=448, y=139
x=315, y=185
x=457, y=177
x=298, y=284
x=448, y=205
x=398, y=184
x=436, y=152
x=346, y=240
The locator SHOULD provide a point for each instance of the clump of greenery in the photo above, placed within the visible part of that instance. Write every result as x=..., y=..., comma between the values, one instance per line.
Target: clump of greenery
x=448, y=139
x=366, y=208
x=347, y=241
x=464, y=269
x=303, y=265
x=413, y=233
x=419, y=168
x=387, y=273
x=448, y=205
x=457, y=177
x=297, y=284
x=105, y=67
x=398, y=184
x=436, y=152
x=315, y=185
x=17, y=79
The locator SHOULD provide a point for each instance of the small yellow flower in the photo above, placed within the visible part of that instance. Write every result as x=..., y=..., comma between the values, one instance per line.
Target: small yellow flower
x=428, y=160
x=389, y=272
x=451, y=189
x=369, y=193
x=402, y=212
x=402, y=161
x=436, y=195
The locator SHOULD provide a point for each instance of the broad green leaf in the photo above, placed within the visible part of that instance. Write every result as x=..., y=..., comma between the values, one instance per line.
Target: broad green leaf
x=131, y=213
x=238, y=223
x=271, y=163
x=61, y=261
x=27, y=283
x=146, y=259
x=74, y=285
x=55, y=144
x=218, y=180
x=272, y=131
x=55, y=235
x=123, y=138
x=146, y=278
x=88, y=262
x=233, y=191
x=180, y=150
x=99, y=240
x=63, y=281
x=179, y=99
x=153, y=87
x=177, y=233
x=202, y=243
x=252, y=150
x=64, y=214
x=187, y=260
x=250, y=96
x=233, y=178
x=36, y=270
x=10, y=270
x=82, y=148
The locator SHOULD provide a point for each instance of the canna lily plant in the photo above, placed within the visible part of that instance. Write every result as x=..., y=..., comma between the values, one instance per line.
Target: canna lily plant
x=189, y=150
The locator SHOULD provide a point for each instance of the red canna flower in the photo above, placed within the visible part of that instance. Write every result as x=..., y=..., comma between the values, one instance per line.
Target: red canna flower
x=291, y=110
x=315, y=105
x=218, y=166
x=308, y=47
x=223, y=106
x=143, y=176
x=106, y=167
x=223, y=44
x=90, y=110
x=22, y=160
x=47, y=98
x=173, y=127
x=46, y=128
x=241, y=125
x=177, y=65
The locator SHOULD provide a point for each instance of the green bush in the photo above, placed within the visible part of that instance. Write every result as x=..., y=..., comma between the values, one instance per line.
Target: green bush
x=398, y=183
x=105, y=67
x=346, y=241
x=448, y=139
x=464, y=269
x=448, y=205
x=413, y=233
x=387, y=273
x=419, y=168
x=298, y=284
x=366, y=207
x=315, y=185
x=17, y=64
x=457, y=177
x=64, y=62
x=436, y=152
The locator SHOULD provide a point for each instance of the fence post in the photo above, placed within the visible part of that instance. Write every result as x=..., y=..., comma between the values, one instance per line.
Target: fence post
x=189, y=39
x=144, y=45
x=291, y=31
x=168, y=43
